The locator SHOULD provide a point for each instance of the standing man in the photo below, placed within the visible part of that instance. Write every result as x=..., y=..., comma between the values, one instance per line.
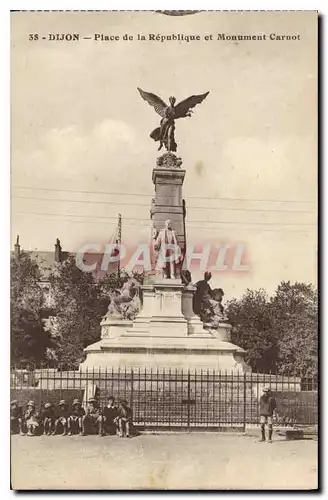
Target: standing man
x=169, y=254
x=267, y=407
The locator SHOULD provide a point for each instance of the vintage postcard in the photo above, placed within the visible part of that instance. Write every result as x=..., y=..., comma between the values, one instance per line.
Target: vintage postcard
x=164, y=301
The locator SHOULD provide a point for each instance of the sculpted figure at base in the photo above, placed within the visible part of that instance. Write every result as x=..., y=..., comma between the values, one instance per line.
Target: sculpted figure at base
x=186, y=277
x=207, y=303
x=167, y=249
x=126, y=301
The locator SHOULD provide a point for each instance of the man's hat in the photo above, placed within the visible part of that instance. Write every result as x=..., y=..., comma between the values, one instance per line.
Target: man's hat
x=266, y=389
x=76, y=402
x=62, y=402
x=48, y=405
x=92, y=400
x=31, y=403
x=111, y=398
x=14, y=402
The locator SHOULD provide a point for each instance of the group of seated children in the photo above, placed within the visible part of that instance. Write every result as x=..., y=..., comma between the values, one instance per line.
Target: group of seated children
x=50, y=420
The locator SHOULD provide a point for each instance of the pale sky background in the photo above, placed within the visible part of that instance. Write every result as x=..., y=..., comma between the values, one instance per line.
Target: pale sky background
x=80, y=135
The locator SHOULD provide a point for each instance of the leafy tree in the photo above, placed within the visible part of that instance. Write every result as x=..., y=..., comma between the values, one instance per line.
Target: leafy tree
x=29, y=340
x=80, y=305
x=251, y=322
x=80, y=302
x=280, y=333
x=294, y=310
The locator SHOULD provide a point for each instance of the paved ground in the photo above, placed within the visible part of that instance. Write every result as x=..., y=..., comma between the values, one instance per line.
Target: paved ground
x=164, y=461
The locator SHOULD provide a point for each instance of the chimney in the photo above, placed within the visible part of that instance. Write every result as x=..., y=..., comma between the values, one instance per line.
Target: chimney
x=17, y=247
x=58, y=251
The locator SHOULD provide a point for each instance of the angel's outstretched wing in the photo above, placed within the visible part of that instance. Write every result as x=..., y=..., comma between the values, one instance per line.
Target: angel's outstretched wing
x=154, y=101
x=184, y=106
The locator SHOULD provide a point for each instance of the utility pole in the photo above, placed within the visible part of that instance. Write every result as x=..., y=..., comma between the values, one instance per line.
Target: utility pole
x=119, y=241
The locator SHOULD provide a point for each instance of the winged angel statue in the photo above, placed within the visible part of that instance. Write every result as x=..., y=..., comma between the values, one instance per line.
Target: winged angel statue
x=169, y=113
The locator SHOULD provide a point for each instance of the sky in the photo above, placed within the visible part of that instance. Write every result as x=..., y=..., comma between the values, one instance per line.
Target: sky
x=81, y=151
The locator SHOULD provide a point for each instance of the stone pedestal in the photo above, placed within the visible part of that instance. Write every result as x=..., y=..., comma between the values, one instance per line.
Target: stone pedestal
x=189, y=353
x=223, y=332
x=165, y=334
x=195, y=326
x=168, y=177
x=113, y=326
x=161, y=313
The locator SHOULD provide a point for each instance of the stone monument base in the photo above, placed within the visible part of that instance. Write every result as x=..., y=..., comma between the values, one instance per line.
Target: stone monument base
x=165, y=334
x=193, y=352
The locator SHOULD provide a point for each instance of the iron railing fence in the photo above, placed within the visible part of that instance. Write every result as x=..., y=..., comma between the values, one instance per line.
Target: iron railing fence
x=176, y=399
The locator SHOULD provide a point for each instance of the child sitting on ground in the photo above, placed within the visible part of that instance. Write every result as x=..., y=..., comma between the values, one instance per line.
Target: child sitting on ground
x=48, y=419
x=62, y=416
x=15, y=418
x=92, y=419
x=124, y=419
x=75, y=418
x=108, y=419
x=31, y=419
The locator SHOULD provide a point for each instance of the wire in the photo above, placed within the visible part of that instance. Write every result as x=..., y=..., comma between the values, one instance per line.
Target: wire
x=149, y=220
x=141, y=224
x=151, y=195
x=82, y=201
x=82, y=191
x=120, y=203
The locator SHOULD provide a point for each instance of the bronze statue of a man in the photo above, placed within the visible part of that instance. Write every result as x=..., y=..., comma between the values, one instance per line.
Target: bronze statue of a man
x=168, y=257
